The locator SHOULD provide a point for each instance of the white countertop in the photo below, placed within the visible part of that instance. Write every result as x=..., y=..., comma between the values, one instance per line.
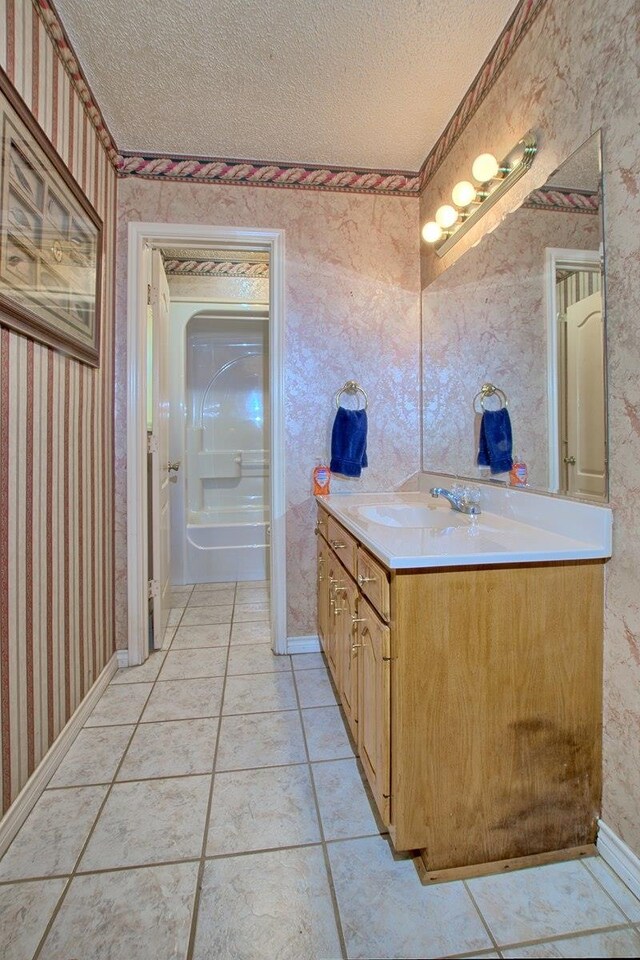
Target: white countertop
x=442, y=537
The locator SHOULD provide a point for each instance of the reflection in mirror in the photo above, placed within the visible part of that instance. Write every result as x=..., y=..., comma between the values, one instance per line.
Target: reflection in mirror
x=523, y=310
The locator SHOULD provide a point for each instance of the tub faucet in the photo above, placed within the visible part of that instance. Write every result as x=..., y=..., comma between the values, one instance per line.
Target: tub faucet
x=459, y=501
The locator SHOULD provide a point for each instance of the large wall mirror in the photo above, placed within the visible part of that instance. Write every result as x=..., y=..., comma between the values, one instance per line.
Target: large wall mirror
x=524, y=310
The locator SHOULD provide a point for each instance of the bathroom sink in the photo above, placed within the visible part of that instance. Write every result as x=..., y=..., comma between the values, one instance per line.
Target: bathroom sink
x=409, y=515
x=436, y=521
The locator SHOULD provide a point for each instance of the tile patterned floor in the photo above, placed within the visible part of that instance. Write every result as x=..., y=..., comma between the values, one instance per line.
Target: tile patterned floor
x=213, y=808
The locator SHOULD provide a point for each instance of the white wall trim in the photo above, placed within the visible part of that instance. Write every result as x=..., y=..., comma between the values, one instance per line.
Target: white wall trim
x=619, y=856
x=35, y=785
x=310, y=644
x=557, y=257
x=123, y=659
x=140, y=237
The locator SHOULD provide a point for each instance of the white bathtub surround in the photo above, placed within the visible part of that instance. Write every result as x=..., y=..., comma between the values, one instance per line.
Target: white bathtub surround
x=415, y=530
x=219, y=415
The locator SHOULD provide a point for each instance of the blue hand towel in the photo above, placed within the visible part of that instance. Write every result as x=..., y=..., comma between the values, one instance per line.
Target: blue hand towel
x=495, y=447
x=349, y=442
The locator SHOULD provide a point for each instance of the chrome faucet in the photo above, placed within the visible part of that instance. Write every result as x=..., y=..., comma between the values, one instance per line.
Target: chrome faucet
x=458, y=501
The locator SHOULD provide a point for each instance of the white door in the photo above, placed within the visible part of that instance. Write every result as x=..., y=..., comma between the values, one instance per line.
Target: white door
x=159, y=447
x=585, y=447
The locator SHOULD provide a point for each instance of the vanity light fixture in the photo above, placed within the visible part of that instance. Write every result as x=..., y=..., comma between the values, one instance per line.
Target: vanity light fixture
x=463, y=194
x=493, y=178
x=446, y=216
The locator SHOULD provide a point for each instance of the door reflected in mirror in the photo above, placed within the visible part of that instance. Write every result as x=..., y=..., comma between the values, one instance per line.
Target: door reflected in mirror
x=577, y=454
x=524, y=310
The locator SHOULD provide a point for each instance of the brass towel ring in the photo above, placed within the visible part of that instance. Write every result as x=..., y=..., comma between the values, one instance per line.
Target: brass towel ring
x=488, y=390
x=354, y=388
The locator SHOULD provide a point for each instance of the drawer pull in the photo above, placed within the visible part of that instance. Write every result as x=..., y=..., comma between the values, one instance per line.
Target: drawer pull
x=338, y=544
x=362, y=580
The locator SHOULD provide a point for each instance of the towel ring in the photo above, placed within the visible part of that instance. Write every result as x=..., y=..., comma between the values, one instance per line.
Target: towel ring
x=488, y=390
x=354, y=388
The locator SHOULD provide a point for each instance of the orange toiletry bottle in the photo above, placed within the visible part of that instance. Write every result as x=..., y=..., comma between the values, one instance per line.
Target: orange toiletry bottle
x=519, y=474
x=321, y=479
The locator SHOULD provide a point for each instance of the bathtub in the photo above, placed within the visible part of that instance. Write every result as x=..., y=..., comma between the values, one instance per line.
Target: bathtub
x=227, y=545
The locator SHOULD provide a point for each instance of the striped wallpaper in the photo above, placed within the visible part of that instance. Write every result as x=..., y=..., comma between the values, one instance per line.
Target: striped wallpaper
x=56, y=454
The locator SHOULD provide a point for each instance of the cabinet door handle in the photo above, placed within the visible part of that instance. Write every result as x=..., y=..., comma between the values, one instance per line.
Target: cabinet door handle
x=338, y=544
x=362, y=579
x=358, y=619
x=354, y=646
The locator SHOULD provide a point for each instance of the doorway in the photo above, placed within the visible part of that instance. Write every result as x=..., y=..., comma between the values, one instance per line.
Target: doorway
x=576, y=374
x=206, y=479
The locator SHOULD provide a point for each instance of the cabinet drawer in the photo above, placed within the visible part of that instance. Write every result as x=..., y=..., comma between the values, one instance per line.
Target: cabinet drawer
x=322, y=523
x=373, y=580
x=346, y=548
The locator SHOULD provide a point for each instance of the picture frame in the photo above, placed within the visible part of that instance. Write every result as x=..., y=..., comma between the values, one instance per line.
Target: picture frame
x=51, y=239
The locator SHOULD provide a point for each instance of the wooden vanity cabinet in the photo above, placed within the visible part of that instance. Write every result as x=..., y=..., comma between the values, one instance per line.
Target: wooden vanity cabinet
x=474, y=696
x=347, y=660
x=374, y=714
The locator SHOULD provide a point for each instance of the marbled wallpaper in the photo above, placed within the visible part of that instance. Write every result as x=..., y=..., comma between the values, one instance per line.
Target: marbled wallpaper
x=484, y=319
x=574, y=72
x=352, y=307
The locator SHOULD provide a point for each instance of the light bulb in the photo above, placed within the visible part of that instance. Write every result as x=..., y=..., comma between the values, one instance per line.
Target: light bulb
x=446, y=216
x=485, y=167
x=431, y=232
x=463, y=193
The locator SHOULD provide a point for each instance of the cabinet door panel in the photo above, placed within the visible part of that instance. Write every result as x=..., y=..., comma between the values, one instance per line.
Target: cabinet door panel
x=374, y=705
x=347, y=657
x=337, y=581
x=323, y=591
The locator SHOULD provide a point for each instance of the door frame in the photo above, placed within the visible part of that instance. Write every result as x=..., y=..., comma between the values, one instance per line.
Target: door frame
x=556, y=257
x=142, y=235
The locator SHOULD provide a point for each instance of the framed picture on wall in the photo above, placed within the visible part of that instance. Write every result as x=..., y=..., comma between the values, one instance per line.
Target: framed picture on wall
x=50, y=240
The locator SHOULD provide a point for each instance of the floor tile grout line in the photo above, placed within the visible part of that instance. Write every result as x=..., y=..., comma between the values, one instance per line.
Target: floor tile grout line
x=602, y=886
x=483, y=919
x=63, y=896
x=323, y=843
x=488, y=952
x=563, y=937
x=98, y=871
x=193, y=928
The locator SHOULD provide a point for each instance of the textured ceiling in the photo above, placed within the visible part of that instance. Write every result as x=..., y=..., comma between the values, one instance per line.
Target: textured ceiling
x=365, y=83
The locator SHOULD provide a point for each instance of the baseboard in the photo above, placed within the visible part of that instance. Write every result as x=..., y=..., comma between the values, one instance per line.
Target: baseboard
x=26, y=799
x=619, y=856
x=123, y=659
x=310, y=644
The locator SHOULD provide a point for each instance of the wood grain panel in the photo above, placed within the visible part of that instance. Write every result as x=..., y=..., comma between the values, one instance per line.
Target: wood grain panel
x=344, y=544
x=502, y=757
